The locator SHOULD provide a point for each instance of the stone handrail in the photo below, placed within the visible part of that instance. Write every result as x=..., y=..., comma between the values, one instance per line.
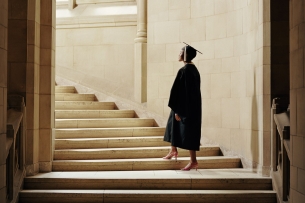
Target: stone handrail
x=280, y=136
x=15, y=145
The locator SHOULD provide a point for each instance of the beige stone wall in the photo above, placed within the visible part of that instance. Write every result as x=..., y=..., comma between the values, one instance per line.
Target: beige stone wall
x=3, y=97
x=100, y=58
x=297, y=100
x=234, y=68
x=96, y=49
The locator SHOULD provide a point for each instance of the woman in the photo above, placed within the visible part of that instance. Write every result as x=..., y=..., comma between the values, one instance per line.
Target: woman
x=183, y=128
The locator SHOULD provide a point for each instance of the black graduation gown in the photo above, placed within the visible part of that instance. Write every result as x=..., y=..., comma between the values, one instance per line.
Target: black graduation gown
x=185, y=100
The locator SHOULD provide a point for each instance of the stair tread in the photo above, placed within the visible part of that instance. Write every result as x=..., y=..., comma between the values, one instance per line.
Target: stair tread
x=155, y=191
x=96, y=119
x=210, y=158
x=212, y=174
x=112, y=138
x=127, y=149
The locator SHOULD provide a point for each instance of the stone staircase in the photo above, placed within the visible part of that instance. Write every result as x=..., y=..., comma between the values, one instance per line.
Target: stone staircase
x=104, y=154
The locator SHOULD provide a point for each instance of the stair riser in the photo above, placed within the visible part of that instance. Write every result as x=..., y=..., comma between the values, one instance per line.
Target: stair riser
x=132, y=166
x=150, y=184
x=64, y=90
x=104, y=123
x=125, y=154
x=74, y=97
x=72, y=105
x=104, y=133
x=94, y=114
x=116, y=197
x=59, y=144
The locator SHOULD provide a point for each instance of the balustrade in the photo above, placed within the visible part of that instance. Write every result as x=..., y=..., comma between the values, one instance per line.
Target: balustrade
x=281, y=155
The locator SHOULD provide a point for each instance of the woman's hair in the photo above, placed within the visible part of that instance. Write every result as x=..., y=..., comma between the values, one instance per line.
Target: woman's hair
x=189, y=53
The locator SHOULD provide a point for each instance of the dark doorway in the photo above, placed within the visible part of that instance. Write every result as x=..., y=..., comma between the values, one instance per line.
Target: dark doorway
x=280, y=51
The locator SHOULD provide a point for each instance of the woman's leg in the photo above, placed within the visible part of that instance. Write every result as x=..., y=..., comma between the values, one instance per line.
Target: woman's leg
x=173, y=149
x=193, y=162
x=193, y=156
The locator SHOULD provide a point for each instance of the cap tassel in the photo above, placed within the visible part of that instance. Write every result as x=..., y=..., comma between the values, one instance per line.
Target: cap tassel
x=184, y=55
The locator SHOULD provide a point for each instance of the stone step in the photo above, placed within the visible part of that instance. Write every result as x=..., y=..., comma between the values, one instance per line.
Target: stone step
x=84, y=105
x=203, y=179
x=89, y=143
x=104, y=123
x=74, y=97
x=149, y=196
x=108, y=132
x=128, y=153
x=144, y=164
x=65, y=89
x=62, y=114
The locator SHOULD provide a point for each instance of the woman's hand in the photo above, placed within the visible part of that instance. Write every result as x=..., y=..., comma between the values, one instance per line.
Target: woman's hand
x=177, y=117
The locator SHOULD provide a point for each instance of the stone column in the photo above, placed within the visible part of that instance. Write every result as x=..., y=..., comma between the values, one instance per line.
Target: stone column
x=47, y=84
x=140, y=63
x=72, y=4
x=3, y=95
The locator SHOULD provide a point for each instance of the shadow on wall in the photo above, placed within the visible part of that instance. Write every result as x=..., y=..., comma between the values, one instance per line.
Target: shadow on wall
x=254, y=128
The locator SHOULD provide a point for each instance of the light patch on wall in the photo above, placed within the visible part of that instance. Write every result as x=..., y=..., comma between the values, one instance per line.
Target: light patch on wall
x=63, y=13
x=113, y=10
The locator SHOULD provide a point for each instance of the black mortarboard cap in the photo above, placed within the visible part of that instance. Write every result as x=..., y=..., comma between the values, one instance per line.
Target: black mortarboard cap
x=189, y=51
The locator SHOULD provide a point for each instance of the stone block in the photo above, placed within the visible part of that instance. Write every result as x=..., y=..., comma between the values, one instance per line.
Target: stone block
x=207, y=48
x=293, y=111
x=210, y=66
x=300, y=110
x=297, y=151
x=17, y=76
x=297, y=69
x=172, y=30
x=45, y=145
x=211, y=113
x=64, y=56
x=179, y=14
x=178, y=4
x=238, y=4
x=165, y=85
x=241, y=48
x=294, y=177
x=301, y=180
x=115, y=35
x=3, y=68
x=202, y=8
x=247, y=113
x=219, y=31
x=2, y=175
x=230, y=112
x=234, y=23
x=156, y=53
x=205, y=86
x=32, y=105
x=230, y=64
x=47, y=14
x=18, y=9
x=46, y=32
x=221, y=85
x=297, y=12
x=238, y=87
x=224, y=47
x=2, y=140
x=3, y=15
x=192, y=30
x=223, y=6
x=294, y=39
x=156, y=7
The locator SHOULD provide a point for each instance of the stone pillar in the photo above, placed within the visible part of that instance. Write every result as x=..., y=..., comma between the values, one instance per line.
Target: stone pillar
x=140, y=63
x=297, y=101
x=72, y=4
x=47, y=84
x=3, y=95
